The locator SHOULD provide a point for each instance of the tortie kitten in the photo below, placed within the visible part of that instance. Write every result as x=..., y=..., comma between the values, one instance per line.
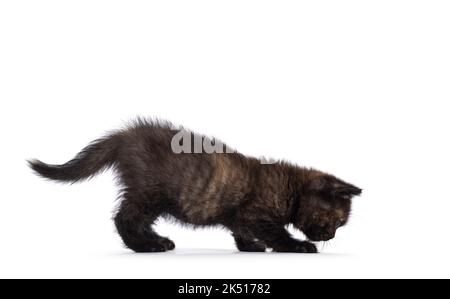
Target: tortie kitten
x=253, y=199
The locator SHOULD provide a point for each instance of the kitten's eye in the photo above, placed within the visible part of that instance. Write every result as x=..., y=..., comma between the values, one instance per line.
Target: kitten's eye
x=338, y=223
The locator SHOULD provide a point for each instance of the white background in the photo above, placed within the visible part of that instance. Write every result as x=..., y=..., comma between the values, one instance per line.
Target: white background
x=356, y=88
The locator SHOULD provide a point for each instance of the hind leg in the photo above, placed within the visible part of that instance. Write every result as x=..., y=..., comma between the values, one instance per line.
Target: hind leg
x=248, y=243
x=134, y=224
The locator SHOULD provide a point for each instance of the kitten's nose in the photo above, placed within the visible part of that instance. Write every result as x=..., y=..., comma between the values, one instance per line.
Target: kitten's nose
x=327, y=237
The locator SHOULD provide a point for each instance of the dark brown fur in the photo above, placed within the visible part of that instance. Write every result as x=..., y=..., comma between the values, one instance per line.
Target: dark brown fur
x=254, y=201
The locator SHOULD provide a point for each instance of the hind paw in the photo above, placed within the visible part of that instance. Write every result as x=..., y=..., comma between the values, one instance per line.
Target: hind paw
x=154, y=245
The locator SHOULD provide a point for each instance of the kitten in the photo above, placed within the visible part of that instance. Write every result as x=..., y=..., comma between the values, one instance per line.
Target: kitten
x=254, y=201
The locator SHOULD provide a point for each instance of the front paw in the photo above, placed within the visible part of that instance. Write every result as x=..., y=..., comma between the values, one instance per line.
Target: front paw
x=299, y=247
x=307, y=247
x=166, y=243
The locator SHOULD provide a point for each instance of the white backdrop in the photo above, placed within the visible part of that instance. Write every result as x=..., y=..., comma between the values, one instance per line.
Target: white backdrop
x=356, y=88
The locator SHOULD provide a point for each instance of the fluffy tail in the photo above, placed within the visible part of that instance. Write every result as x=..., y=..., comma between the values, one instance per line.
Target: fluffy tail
x=97, y=156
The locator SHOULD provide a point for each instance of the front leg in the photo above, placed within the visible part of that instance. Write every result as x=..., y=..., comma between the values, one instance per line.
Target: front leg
x=275, y=236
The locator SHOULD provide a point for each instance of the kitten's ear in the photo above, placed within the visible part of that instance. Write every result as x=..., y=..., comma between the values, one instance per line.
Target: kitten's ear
x=334, y=187
x=345, y=190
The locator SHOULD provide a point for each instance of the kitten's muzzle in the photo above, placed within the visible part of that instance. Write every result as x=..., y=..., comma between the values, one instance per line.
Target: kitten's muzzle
x=317, y=234
x=321, y=237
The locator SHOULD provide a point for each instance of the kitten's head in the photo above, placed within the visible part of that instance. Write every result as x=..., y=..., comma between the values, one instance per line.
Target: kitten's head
x=325, y=206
